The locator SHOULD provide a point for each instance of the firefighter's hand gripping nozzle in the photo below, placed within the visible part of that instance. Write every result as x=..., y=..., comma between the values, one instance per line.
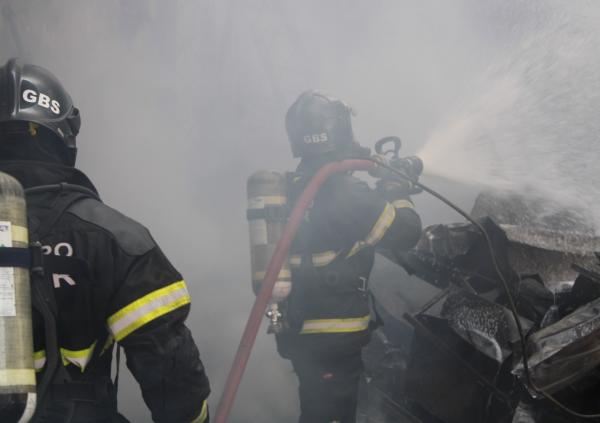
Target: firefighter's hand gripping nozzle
x=267, y=217
x=411, y=167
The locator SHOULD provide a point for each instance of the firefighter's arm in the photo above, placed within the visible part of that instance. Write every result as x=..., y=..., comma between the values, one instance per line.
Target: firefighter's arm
x=147, y=319
x=378, y=218
x=405, y=230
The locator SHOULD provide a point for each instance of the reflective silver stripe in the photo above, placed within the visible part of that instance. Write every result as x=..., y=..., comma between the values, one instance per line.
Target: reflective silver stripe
x=79, y=358
x=260, y=202
x=284, y=274
x=383, y=223
x=324, y=258
x=295, y=260
x=318, y=259
x=358, y=245
x=39, y=360
x=148, y=308
x=354, y=324
x=403, y=204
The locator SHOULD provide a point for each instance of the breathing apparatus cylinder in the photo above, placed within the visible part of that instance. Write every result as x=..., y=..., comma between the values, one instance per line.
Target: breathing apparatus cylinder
x=267, y=216
x=17, y=373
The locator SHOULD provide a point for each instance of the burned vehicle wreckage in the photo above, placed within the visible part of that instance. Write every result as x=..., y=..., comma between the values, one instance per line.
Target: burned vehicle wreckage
x=464, y=362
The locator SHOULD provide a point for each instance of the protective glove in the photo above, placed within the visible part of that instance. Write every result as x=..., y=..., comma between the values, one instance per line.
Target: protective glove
x=393, y=189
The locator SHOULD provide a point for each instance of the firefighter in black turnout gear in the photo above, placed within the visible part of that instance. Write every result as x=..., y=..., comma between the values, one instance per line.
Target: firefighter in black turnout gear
x=329, y=313
x=105, y=281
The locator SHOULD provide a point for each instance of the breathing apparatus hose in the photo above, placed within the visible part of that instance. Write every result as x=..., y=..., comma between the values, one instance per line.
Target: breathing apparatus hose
x=262, y=299
x=279, y=255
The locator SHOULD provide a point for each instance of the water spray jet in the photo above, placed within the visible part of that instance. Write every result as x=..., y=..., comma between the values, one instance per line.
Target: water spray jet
x=530, y=127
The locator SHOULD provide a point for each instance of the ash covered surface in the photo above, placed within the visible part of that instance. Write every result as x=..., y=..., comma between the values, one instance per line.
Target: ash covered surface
x=538, y=222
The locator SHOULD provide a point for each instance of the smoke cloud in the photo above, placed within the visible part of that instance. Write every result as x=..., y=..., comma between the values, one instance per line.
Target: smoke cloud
x=531, y=125
x=181, y=100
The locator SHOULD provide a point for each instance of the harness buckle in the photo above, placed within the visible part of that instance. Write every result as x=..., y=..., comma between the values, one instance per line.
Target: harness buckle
x=362, y=287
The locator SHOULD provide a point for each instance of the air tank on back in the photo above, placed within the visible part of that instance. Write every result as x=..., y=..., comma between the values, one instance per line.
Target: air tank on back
x=17, y=374
x=267, y=216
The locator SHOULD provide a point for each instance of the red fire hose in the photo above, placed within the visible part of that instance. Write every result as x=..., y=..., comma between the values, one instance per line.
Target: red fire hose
x=262, y=299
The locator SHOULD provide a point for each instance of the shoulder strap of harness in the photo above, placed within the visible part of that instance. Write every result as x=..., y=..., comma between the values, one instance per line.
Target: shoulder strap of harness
x=20, y=257
x=67, y=195
x=42, y=293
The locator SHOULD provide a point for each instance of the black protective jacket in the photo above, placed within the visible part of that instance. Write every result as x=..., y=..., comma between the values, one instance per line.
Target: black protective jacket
x=331, y=259
x=111, y=282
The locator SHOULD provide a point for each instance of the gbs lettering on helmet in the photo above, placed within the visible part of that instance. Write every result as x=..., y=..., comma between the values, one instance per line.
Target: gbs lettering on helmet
x=31, y=96
x=315, y=138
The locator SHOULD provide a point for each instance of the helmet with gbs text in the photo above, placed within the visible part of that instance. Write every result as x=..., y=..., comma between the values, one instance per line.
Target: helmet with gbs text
x=318, y=123
x=30, y=94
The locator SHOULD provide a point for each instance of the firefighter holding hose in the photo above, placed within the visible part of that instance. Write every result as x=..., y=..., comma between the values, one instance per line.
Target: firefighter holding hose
x=104, y=279
x=328, y=312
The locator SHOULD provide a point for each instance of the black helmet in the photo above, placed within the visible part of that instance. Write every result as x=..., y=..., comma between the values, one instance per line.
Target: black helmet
x=317, y=123
x=30, y=93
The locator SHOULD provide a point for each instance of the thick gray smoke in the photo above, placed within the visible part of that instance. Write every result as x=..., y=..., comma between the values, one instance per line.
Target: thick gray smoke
x=531, y=125
x=181, y=100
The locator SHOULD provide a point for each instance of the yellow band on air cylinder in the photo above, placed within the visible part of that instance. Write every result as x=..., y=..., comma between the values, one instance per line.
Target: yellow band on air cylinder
x=20, y=234
x=17, y=377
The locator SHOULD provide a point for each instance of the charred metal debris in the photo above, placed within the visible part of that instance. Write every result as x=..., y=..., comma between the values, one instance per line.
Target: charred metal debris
x=465, y=362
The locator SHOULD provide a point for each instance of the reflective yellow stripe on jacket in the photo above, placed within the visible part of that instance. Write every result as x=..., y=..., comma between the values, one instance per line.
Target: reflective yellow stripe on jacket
x=148, y=308
x=203, y=413
x=383, y=223
x=79, y=358
x=318, y=259
x=353, y=324
x=403, y=204
x=39, y=360
x=284, y=274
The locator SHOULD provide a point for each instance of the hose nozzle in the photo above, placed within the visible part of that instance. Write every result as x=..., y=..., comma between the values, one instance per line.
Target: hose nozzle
x=412, y=166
